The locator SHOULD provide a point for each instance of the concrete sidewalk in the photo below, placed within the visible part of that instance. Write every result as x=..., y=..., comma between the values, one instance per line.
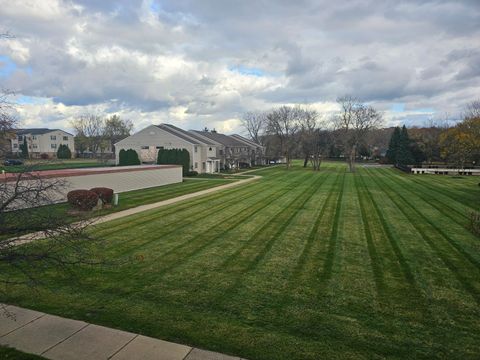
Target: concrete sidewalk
x=58, y=338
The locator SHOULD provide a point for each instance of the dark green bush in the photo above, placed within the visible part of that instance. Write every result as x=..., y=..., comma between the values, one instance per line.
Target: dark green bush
x=175, y=157
x=64, y=152
x=128, y=157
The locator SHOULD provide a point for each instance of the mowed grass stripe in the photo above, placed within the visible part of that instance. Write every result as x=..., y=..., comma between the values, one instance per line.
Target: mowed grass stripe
x=117, y=226
x=372, y=251
x=326, y=273
x=402, y=284
x=473, y=248
x=312, y=239
x=247, y=257
x=204, y=240
x=469, y=196
x=433, y=198
x=173, y=213
x=460, y=270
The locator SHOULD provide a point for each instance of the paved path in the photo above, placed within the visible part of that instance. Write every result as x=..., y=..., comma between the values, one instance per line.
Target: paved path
x=58, y=338
x=24, y=239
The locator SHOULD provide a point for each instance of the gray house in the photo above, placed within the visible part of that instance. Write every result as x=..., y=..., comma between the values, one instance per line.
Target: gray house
x=235, y=150
x=209, y=151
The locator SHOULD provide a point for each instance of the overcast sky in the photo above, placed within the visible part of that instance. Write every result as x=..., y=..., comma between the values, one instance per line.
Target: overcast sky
x=205, y=62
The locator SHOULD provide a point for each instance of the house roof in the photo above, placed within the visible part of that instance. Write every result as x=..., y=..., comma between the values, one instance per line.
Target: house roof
x=245, y=140
x=181, y=134
x=221, y=138
x=38, y=131
x=190, y=136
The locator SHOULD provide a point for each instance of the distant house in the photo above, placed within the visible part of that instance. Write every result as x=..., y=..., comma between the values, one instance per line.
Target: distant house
x=41, y=141
x=209, y=151
x=235, y=150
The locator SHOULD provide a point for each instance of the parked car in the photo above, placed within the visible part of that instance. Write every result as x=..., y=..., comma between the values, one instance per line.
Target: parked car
x=10, y=162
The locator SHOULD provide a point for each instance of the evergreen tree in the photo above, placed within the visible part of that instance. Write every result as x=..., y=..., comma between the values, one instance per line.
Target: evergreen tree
x=24, y=148
x=64, y=152
x=132, y=157
x=393, y=146
x=122, y=157
x=404, y=154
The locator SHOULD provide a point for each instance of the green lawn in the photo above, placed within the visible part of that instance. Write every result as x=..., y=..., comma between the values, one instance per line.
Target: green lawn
x=127, y=200
x=297, y=265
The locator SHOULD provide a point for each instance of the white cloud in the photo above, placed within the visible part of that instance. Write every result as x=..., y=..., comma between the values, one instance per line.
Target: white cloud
x=172, y=61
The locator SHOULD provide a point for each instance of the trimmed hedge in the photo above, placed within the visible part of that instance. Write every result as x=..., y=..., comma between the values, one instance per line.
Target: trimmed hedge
x=175, y=157
x=104, y=194
x=84, y=200
x=128, y=157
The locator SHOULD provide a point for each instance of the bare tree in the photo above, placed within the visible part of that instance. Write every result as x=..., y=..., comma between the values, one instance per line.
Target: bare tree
x=27, y=216
x=7, y=122
x=308, y=121
x=89, y=132
x=116, y=129
x=355, y=120
x=472, y=110
x=283, y=123
x=254, y=122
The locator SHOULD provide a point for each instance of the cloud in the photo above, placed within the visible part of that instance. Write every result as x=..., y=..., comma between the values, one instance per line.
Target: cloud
x=205, y=63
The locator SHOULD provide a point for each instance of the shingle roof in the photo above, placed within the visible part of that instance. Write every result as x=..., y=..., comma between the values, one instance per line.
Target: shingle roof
x=248, y=141
x=38, y=131
x=171, y=129
x=221, y=138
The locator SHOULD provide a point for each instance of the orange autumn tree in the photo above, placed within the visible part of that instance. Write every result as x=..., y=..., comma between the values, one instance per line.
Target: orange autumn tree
x=461, y=144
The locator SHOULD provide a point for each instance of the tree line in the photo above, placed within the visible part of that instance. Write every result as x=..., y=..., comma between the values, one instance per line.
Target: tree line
x=293, y=131
x=356, y=132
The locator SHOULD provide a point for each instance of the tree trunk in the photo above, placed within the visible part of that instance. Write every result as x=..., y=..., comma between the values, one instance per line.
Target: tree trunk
x=305, y=162
x=351, y=162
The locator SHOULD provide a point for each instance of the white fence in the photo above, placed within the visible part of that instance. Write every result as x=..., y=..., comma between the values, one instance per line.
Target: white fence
x=445, y=171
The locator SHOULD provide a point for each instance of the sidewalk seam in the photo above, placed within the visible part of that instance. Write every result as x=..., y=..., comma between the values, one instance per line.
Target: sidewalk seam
x=31, y=321
x=68, y=337
x=124, y=346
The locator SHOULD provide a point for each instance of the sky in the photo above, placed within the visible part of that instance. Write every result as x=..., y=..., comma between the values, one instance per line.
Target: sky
x=204, y=63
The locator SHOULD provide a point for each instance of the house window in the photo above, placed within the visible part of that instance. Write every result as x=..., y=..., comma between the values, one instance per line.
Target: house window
x=53, y=146
x=35, y=146
x=144, y=147
x=220, y=152
x=196, y=165
x=65, y=138
x=159, y=147
x=203, y=165
x=34, y=137
x=53, y=137
x=209, y=149
x=15, y=146
x=196, y=149
x=20, y=138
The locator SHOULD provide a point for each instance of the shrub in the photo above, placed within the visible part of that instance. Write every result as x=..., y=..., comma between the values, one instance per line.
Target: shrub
x=43, y=156
x=64, y=152
x=128, y=157
x=176, y=157
x=105, y=194
x=191, y=173
x=84, y=200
